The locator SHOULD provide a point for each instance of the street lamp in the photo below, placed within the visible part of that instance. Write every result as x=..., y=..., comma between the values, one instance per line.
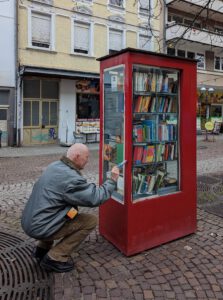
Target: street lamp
x=207, y=92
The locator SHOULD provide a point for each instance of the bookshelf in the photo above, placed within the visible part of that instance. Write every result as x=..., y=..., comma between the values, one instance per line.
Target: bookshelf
x=148, y=118
x=155, y=131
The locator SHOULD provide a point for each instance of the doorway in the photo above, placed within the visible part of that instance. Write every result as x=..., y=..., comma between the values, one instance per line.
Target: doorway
x=40, y=111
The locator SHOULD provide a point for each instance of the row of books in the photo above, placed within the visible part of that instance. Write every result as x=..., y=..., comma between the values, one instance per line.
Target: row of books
x=166, y=151
x=147, y=184
x=154, y=82
x=154, y=153
x=145, y=131
x=167, y=132
x=155, y=104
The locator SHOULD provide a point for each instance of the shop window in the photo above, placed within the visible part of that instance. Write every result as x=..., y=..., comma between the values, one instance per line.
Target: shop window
x=115, y=40
x=82, y=37
x=4, y=96
x=144, y=42
x=216, y=111
x=50, y=89
x=41, y=30
x=88, y=106
x=218, y=63
x=31, y=88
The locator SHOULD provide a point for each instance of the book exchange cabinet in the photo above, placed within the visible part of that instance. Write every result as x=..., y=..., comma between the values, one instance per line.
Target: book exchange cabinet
x=148, y=118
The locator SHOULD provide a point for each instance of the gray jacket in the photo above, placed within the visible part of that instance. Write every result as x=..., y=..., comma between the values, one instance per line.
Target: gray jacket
x=60, y=187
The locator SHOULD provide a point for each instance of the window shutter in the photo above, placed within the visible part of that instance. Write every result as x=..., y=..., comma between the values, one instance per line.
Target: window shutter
x=81, y=37
x=144, y=42
x=115, y=39
x=41, y=25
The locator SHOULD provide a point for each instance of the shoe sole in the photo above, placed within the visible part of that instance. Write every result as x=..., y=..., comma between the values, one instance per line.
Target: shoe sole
x=54, y=269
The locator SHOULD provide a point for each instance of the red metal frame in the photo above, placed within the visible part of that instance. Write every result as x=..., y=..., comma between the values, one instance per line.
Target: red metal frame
x=134, y=227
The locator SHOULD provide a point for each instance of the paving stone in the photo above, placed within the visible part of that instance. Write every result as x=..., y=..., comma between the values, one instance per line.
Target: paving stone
x=170, y=271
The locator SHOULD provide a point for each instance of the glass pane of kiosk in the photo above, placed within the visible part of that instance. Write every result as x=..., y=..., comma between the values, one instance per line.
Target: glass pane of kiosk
x=155, y=132
x=113, y=142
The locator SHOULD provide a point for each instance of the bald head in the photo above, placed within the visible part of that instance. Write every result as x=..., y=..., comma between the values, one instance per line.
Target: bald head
x=78, y=154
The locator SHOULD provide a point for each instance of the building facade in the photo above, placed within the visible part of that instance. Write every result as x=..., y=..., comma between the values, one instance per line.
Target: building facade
x=8, y=56
x=58, y=44
x=194, y=29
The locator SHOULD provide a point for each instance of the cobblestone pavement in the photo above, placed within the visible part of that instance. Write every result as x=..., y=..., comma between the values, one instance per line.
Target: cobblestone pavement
x=188, y=268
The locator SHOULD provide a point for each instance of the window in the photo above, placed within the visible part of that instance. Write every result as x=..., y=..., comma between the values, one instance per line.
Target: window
x=3, y=114
x=4, y=97
x=31, y=113
x=49, y=113
x=115, y=40
x=218, y=63
x=88, y=106
x=171, y=51
x=191, y=55
x=82, y=38
x=201, y=61
x=41, y=30
x=118, y=3
x=181, y=53
x=144, y=42
x=177, y=19
x=144, y=6
x=218, y=30
x=31, y=88
x=188, y=22
x=50, y=89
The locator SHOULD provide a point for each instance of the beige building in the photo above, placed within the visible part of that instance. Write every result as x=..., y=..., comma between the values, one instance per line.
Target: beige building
x=58, y=44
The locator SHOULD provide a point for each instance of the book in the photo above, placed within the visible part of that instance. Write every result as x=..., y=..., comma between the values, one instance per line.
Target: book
x=159, y=179
x=151, y=183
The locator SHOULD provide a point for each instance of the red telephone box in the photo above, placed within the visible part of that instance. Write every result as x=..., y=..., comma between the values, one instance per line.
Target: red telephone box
x=148, y=117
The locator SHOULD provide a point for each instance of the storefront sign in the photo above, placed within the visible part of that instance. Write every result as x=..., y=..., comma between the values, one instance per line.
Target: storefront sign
x=209, y=126
x=87, y=86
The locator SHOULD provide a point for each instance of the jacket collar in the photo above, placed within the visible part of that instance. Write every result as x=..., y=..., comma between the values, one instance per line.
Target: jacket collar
x=69, y=163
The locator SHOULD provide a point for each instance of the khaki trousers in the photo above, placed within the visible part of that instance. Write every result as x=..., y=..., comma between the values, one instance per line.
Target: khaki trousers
x=71, y=235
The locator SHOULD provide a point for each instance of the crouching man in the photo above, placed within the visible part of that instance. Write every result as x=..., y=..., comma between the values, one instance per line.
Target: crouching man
x=51, y=212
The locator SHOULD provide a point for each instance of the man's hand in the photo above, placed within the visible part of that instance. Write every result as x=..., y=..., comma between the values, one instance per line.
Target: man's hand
x=115, y=173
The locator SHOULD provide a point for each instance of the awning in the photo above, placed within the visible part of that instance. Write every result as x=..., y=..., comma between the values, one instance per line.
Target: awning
x=28, y=70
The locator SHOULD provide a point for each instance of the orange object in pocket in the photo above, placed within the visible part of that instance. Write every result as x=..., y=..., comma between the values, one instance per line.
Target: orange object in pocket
x=72, y=213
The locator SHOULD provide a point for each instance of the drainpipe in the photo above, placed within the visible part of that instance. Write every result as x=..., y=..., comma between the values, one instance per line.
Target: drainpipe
x=16, y=72
x=165, y=11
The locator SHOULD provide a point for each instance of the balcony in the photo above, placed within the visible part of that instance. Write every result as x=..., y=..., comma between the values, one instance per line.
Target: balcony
x=195, y=7
x=176, y=31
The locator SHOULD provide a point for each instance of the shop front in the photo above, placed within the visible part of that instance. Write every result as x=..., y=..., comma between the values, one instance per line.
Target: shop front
x=55, y=104
x=88, y=110
x=209, y=106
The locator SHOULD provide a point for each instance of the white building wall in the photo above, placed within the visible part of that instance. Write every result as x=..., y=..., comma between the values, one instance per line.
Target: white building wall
x=7, y=43
x=67, y=111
